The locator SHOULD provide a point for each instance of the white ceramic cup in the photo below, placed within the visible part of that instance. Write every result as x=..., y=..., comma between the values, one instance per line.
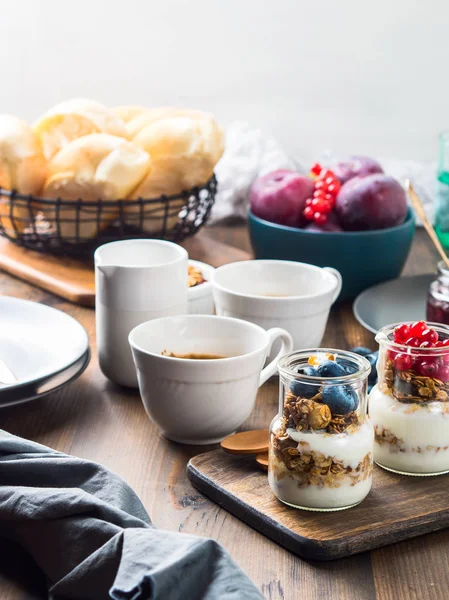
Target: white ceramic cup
x=135, y=281
x=276, y=293
x=202, y=401
x=201, y=301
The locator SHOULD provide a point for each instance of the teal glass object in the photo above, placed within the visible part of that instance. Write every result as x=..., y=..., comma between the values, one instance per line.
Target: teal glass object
x=442, y=191
x=364, y=258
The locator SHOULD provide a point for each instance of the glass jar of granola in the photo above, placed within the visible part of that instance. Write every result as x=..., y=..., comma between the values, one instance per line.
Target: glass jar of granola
x=409, y=406
x=321, y=441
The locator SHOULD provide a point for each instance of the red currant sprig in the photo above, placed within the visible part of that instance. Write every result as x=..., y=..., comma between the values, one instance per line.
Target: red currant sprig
x=416, y=335
x=327, y=186
x=420, y=335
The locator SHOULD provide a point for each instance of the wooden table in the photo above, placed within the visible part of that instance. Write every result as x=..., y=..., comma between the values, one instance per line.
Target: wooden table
x=94, y=419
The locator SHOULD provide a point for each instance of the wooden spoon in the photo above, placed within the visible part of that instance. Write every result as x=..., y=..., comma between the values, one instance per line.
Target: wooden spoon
x=419, y=209
x=247, y=442
x=262, y=460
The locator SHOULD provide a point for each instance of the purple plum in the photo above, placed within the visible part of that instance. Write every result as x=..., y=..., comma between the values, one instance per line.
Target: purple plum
x=372, y=202
x=280, y=197
x=356, y=166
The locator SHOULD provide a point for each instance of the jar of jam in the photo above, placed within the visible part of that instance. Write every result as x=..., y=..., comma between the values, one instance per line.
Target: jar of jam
x=438, y=297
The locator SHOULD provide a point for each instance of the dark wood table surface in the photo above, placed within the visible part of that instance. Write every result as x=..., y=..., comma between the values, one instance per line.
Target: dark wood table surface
x=94, y=419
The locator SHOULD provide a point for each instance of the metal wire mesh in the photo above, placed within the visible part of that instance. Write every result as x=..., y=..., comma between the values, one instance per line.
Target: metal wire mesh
x=77, y=227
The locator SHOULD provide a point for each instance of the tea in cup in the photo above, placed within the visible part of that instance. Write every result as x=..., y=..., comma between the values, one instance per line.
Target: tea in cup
x=277, y=293
x=199, y=374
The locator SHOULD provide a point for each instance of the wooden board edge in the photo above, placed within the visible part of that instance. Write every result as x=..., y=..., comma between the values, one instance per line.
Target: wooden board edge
x=65, y=290
x=34, y=268
x=301, y=546
x=307, y=548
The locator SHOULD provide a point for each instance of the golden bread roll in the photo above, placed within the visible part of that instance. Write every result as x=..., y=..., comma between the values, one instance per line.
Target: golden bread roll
x=139, y=121
x=73, y=119
x=127, y=113
x=22, y=167
x=184, y=151
x=93, y=167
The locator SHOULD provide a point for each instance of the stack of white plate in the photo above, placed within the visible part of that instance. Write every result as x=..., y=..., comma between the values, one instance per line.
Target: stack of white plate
x=41, y=350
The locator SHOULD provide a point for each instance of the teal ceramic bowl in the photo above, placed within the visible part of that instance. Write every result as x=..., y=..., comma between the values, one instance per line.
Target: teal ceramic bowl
x=363, y=258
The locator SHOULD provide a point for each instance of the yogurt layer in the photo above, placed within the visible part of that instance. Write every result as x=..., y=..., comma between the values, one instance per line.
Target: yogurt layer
x=311, y=496
x=349, y=453
x=410, y=437
x=350, y=448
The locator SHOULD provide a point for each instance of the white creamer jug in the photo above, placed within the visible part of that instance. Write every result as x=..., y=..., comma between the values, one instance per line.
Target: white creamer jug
x=135, y=281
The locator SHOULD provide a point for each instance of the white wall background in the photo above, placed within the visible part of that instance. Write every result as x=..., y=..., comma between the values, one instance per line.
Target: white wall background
x=346, y=75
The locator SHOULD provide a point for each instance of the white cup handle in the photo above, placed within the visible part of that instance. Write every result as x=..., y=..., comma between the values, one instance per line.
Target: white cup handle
x=337, y=276
x=286, y=347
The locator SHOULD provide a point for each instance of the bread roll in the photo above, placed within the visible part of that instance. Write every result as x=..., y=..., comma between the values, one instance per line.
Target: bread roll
x=127, y=113
x=74, y=119
x=139, y=121
x=22, y=167
x=184, y=151
x=93, y=167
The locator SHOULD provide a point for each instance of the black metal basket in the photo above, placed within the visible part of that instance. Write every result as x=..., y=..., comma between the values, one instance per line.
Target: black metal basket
x=78, y=227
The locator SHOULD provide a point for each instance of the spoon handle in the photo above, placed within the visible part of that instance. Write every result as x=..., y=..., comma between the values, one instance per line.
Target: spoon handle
x=419, y=209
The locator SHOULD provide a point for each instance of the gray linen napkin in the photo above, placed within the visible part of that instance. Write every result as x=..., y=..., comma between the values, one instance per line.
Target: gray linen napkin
x=92, y=538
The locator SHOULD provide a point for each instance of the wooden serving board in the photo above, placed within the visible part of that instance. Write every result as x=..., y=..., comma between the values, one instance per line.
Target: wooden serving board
x=74, y=280
x=397, y=508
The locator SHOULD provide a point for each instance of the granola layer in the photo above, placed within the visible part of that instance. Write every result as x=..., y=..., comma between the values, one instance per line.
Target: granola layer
x=310, y=467
x=385, y=437
x=311, y=414
x=410, y=387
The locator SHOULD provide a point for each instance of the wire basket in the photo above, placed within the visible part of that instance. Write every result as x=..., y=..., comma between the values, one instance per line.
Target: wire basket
x=78, y=227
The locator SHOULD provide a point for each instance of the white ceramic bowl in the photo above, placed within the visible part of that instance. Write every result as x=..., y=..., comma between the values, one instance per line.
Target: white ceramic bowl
x=200, y=298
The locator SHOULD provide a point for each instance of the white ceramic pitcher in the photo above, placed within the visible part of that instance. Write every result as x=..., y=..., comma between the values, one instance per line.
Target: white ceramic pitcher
x=135, y=281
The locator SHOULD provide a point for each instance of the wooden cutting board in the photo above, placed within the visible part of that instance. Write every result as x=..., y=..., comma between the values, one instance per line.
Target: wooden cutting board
x=397, y=508
x=74, y=280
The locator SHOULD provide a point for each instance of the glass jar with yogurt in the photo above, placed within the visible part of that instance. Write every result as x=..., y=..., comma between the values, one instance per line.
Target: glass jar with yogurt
x=409, y=406
x=321, y=441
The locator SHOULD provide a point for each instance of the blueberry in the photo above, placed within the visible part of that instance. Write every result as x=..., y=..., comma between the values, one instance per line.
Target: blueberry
x=341, y=399
x=330, y=368
x=310, y=372
x=361, y=350
x=303, y=389
x=347, y=366
x=372, y=359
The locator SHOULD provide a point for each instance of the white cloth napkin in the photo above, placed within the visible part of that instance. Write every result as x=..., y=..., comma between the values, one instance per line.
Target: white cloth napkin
x=249, y=154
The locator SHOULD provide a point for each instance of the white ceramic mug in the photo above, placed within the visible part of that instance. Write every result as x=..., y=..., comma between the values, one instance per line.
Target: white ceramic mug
x=135, y=281
x=202, y=401
x=276, y=293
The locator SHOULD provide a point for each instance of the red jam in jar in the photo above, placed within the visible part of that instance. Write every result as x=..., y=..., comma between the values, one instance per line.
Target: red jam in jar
x=438, y=297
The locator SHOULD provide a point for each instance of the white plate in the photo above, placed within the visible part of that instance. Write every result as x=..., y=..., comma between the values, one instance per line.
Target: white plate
x=43, y=347
x=403, y=299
